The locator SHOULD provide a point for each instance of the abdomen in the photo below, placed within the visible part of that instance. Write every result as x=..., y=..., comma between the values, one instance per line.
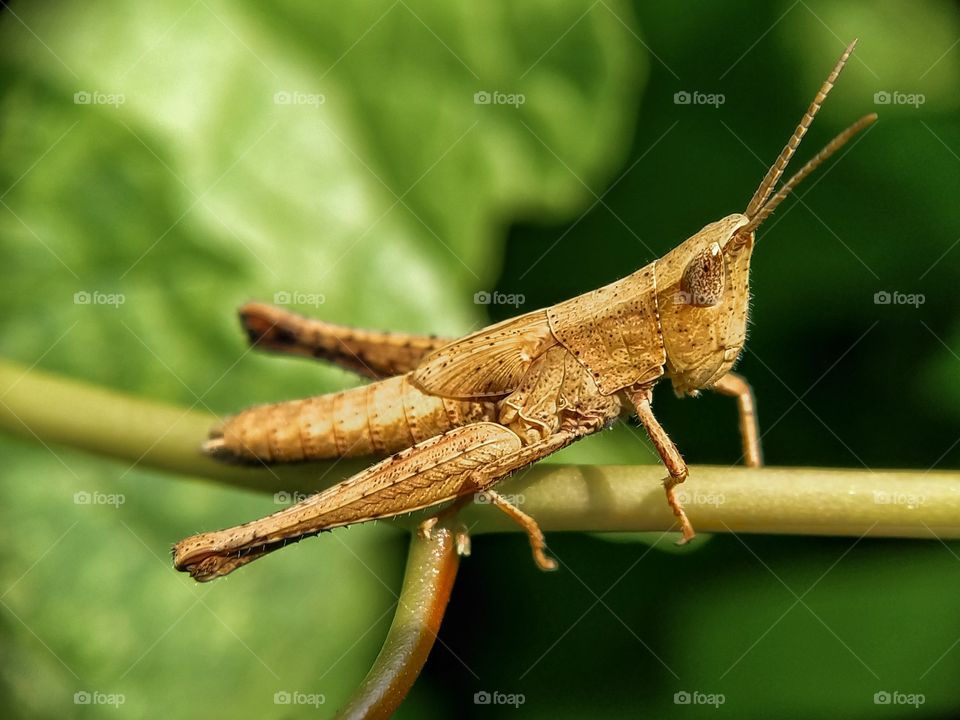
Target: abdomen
x=376, y=419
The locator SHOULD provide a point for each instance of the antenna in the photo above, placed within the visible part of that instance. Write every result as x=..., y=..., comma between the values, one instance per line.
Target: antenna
x=831, y=147
x=776, y=170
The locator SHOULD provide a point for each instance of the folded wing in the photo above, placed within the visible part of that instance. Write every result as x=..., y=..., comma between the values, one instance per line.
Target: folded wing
x=488, y=363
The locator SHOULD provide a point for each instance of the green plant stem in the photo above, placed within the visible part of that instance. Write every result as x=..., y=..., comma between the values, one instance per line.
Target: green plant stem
x=46, y=408
x=427, y=583
x=780, y=500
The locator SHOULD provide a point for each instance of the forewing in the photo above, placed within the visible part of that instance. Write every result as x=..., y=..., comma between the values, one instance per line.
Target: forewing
x=488, y=363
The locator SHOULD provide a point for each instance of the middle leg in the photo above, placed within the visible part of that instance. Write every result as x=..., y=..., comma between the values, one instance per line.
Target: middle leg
x=734, y=385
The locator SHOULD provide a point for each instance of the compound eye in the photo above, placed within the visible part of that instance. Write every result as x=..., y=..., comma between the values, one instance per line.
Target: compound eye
x=702, y=281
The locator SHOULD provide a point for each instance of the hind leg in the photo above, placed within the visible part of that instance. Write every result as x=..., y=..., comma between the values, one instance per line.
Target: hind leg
x=449, y=467
x=367, y=352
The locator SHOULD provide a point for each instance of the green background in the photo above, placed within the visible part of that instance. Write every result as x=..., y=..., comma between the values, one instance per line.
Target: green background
x=397, y=198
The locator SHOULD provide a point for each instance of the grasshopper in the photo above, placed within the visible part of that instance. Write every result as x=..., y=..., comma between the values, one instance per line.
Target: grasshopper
x=454, y=417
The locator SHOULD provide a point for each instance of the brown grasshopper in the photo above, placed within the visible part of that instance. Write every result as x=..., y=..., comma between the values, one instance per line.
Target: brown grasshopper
x=456, y=417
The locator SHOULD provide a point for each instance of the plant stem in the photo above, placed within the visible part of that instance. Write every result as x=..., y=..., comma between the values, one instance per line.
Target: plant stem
x=427, y=583
x=800, y=501
x=50, y=409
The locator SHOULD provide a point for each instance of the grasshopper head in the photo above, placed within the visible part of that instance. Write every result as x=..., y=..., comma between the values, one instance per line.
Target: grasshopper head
x=703, y=297
x=702, y=285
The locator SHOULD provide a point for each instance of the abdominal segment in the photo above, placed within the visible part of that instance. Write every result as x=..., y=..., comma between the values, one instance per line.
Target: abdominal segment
x=376, y=419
